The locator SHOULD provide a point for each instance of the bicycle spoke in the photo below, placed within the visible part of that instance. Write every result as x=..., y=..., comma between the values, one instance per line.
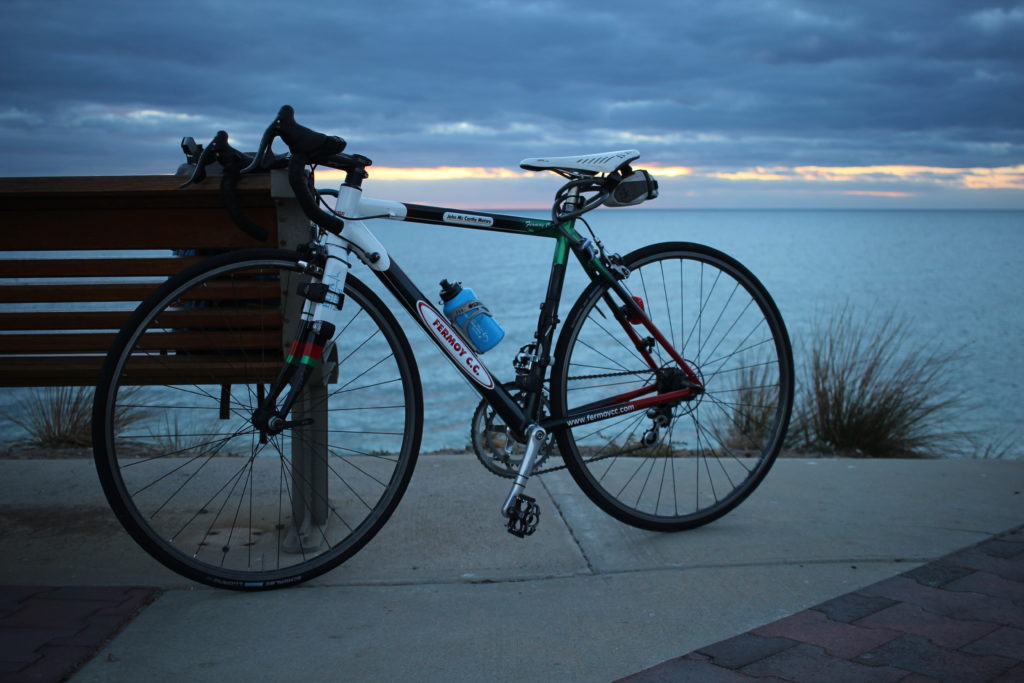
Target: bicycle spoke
x=637, y=465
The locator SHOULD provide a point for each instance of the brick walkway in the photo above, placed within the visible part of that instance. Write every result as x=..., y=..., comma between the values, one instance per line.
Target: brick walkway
x=46, y=633
x=960, y=619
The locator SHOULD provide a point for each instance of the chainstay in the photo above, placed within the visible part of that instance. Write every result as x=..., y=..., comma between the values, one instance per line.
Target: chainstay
x=610, y=455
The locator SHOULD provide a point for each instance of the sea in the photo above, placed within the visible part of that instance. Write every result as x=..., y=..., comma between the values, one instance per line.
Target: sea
x=955, y=277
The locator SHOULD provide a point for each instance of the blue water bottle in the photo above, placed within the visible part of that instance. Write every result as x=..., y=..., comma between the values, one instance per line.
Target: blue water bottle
x=470, y=316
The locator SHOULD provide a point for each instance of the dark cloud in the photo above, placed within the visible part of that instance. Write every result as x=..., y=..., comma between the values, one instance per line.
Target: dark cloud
x=109, y=86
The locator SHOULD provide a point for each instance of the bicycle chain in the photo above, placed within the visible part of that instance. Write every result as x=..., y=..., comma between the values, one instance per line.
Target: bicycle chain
x=610, y=455
x=607, y=374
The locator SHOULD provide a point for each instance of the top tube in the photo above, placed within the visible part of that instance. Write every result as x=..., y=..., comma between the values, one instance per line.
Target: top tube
x=478, y=220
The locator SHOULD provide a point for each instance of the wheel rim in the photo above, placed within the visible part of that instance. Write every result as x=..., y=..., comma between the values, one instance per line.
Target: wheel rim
x=200, y=488
x=712, y=450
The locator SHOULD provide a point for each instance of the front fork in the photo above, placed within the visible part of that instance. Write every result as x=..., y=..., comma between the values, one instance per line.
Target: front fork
x=313, y=341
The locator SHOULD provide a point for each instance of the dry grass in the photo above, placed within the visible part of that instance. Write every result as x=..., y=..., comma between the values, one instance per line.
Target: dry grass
x=61, y=417
x=58, y=417
x=753, y=408
x=866, y=389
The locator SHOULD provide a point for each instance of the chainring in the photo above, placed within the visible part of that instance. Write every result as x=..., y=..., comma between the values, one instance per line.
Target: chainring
x=494, y=445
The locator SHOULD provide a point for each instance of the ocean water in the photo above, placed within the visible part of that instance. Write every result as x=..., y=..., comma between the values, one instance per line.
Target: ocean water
x=956, y=276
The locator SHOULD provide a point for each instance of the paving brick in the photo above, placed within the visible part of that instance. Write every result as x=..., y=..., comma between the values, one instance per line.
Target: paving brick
x=41, y=613
x=51, y=631
x=852, y=606
x=966, y=606
x=975, y=558
x=936, y=575
x=55, y=665
x=133, y=600
x=96, y=632
x=921, y=656
x=1014, y=675
x=943, y=631
x=744, y=649
x=11, y=597
x=10, y=668
x=1004, y=549
x=111, y=594
x=989, y=584
x=22, y=644
x=686, y=668
x=837, y=638
x=1004, y=642
x=809, y=663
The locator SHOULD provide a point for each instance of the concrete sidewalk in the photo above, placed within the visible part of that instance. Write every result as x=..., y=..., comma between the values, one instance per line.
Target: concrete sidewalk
x=443, y=593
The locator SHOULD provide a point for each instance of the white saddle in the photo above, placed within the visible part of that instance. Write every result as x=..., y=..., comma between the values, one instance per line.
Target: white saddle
x=604, y=162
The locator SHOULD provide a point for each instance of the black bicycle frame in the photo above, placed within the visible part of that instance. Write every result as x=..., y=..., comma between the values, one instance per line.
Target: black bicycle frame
x=450, y=341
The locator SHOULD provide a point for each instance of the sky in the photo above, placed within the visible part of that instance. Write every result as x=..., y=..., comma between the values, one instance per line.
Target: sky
x=732, y=104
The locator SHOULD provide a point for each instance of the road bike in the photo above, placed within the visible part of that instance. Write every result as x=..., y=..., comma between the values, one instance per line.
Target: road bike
x=288, y=421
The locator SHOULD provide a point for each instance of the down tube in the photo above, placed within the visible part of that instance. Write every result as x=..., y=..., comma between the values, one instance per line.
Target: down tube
x=454, y=346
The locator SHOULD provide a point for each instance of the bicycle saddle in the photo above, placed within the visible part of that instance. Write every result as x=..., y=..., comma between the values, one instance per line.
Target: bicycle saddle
x=603, y=162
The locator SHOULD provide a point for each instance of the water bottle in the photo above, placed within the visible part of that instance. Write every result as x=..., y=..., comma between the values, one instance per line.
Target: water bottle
x=470, y=316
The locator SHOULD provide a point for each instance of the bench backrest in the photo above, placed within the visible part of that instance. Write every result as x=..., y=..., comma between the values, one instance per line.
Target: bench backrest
x=90, y=250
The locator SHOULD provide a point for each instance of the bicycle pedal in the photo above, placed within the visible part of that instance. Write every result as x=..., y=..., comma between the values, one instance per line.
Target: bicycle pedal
x=523, y=516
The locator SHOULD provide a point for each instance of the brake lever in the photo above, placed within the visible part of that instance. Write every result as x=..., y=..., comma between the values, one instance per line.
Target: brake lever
x=206, y=157
x=259, y=162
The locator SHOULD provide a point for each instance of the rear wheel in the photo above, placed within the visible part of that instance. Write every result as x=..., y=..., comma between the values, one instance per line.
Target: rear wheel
x=676, y=466
x=196, y=484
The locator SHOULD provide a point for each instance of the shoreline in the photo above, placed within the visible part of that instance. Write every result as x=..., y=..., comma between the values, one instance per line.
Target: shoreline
x=19, y=451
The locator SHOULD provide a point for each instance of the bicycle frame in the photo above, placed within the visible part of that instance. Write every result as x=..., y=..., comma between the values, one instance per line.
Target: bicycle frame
x=356, y=210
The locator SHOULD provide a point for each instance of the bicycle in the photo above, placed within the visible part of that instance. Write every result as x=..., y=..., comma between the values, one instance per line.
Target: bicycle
x=666, y=395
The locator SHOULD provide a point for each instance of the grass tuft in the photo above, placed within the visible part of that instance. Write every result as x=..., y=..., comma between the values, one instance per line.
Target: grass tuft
x=58, y=417
x=866, y=390
x=61, y=417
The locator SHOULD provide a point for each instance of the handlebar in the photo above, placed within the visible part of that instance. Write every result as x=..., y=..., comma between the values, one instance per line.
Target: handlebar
x=307, y=147
x=233, y=163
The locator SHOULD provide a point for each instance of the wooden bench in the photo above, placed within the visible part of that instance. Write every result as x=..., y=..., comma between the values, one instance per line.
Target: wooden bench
x=91, y=248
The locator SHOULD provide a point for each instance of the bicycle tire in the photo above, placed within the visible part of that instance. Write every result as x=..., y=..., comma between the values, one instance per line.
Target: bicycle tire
x=716, y=448
x=183, y=467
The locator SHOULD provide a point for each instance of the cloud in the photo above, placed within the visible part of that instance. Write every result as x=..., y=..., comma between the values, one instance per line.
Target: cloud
x=728, y=85
x=995, y=19
x=1008, y=178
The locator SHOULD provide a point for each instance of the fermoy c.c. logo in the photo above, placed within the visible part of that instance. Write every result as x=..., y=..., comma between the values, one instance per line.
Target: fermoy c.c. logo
x=454, y=345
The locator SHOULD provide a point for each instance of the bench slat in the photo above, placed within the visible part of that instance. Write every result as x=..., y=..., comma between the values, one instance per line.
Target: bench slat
x=95, y=267
x=153, y=212
x=85, y=371
x=169, y=229
x=53, y=347
x=232, y=342
x=132, y=291
x=114, y=320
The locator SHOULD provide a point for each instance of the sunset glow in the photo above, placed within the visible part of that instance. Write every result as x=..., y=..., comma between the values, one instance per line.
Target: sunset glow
x=1007, y=177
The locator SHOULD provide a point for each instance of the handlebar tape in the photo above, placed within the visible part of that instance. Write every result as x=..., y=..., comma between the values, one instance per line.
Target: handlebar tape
x=233, y=162
x=306, y=196
x=228, y=181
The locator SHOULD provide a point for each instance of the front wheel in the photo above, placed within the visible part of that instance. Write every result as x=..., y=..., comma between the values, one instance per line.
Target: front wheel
x=191, y=478
x=678, y=465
